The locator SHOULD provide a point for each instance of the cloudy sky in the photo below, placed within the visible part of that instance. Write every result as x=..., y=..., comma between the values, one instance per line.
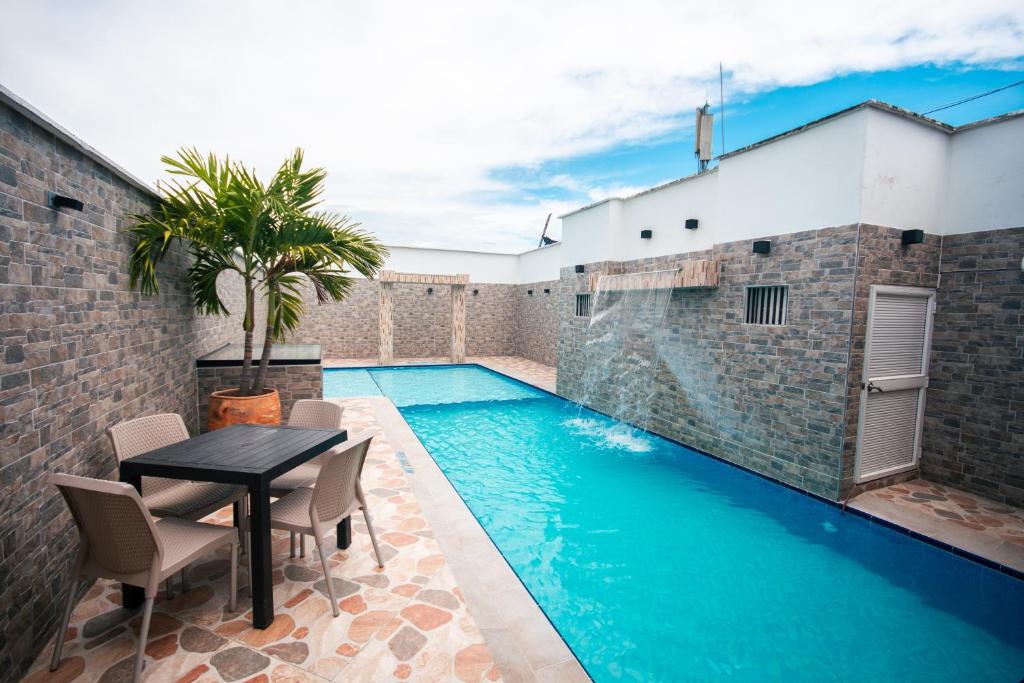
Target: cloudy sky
x=465, y=124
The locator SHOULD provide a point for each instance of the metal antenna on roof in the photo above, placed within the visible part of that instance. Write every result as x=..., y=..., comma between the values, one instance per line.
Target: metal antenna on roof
x=544, y=239
x=703, y=136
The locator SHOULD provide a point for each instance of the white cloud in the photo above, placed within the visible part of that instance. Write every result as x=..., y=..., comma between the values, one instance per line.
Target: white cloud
x=411, y=106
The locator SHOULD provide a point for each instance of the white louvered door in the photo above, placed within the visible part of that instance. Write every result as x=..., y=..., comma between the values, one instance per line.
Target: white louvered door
x=895, y=378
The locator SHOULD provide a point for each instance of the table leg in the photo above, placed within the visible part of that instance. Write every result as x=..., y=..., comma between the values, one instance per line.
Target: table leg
x=132, y=596
x=259, y=556
x=344, y=530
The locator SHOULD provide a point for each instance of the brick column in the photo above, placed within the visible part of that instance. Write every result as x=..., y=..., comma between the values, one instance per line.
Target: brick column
x=386, y=352
x=458, y=323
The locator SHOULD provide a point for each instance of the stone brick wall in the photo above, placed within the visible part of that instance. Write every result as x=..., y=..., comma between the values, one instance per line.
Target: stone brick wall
x=768, y=398
x=536, y=321
x=974, y=422
x=500, y=321
x=491, y=320
x=343, y=330
x=881, y=260
x=293, y=382
x=81, y=352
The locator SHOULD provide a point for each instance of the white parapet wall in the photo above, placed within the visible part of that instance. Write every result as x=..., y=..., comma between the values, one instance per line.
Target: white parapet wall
x=985, y=177
x=872, y=164
x=536, y=265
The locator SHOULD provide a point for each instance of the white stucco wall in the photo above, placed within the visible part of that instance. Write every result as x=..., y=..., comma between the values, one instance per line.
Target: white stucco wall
x=869, y=165
x=985, y=188
x=482, y=267
x=904, y=171
x=664, y=211
x=540, y=265
x=587, y=234
x=804, y=181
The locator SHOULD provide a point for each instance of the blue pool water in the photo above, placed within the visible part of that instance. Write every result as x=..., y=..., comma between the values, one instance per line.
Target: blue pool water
x=657, y=563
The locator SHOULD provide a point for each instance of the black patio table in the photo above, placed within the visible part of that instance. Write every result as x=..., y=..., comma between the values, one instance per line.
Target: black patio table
x=247, y=455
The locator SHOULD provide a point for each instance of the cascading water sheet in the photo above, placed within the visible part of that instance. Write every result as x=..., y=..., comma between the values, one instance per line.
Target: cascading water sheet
x=621, y=352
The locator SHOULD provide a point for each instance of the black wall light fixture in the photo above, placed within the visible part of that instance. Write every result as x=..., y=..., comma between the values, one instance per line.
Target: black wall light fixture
x=547, y=291
x=762, y=246
x=579, y=269
x=430, y=290
x=476, y=291
x=646, y=234
x=57, y=201
x=691, y=224
x=912, y=237
x=529, y=292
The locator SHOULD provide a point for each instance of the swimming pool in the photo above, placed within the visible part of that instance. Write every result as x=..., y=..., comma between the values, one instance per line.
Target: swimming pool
x=655, y=562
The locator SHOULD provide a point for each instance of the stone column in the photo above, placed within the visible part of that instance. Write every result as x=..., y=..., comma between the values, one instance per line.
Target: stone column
x=386, y=353
x=458, y=323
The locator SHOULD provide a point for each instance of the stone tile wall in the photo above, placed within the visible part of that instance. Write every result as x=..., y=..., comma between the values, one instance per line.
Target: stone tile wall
x=974, y=417
x=785, y=401
x=499, y=322
x=81, y=351
x=492, y=318
x=536, y=321
x=343, y=330
x=293, y=382
x=768, y=398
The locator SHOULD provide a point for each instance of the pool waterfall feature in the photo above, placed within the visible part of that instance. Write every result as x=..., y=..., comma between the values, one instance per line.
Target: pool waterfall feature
x=624, y=359
x=622, y=345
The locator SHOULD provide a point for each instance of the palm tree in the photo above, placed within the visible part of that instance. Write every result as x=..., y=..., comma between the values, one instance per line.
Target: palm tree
x=268, y=233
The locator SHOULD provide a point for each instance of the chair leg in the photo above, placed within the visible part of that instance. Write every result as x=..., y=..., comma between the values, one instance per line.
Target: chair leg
x=233, y=600
x=59, y=645
x=373, y=537
x=243, y=527
x=140, y=656
x=291, y=536
x=302, y=545
x=327, y=577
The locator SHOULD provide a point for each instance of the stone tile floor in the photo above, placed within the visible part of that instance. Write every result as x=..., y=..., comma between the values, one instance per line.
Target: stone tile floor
x=529, y=371
x=406, y=622
x=965, y=520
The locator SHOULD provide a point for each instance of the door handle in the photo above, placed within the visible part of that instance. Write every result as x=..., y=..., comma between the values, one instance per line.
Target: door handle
x=871, y=386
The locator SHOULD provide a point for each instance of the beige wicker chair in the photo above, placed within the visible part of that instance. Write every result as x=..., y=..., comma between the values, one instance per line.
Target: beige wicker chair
x=172, y=497
x=315, y=413
x=120, y=541
x=336, y=494
x=307, y=412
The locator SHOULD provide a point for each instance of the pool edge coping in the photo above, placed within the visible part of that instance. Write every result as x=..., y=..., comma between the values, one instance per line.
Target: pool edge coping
x=427, y=489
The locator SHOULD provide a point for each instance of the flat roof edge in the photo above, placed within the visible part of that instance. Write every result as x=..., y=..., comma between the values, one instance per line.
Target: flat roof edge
x=1008, y=116
x=471, y=251
x=37, y=117
x=867, y=104
x=594, y=205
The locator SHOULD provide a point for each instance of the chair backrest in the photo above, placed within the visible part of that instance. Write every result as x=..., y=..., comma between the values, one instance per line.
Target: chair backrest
x=335, y=488
x=117, y=532
x=144, y=434
x=311, y=412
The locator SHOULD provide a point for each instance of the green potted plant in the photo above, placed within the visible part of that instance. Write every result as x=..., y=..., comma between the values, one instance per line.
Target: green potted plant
x=270, y=235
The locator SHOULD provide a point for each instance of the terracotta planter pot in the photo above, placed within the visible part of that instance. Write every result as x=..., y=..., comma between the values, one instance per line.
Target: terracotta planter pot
x=227, y=408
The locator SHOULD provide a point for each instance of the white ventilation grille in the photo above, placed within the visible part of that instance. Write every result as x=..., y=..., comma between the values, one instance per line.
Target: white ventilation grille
x=766, y=305
x=889, y=432
x=582, y=305
x=898, y=335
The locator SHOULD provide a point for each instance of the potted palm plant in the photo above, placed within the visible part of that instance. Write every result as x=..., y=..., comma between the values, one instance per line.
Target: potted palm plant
x=272, y=236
